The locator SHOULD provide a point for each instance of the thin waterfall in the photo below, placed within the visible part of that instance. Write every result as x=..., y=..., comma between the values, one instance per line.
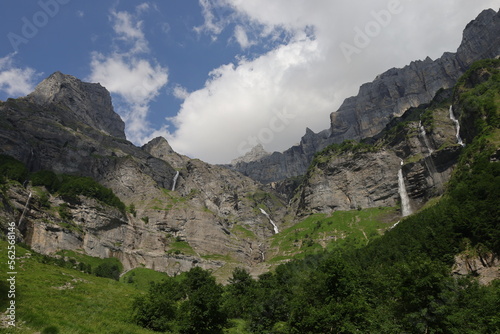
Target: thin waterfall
x=457, y=126
x=174, y=182
x=423, y=134
x=276, y=231
x=403, y=194
x=24, y=211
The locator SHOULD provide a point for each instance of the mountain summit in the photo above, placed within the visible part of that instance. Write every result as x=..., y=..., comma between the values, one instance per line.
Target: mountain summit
x=89, y=103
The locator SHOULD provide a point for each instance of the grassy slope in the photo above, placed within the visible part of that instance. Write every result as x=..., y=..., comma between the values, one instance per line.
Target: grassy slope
x=319, y=231
x=69, y=300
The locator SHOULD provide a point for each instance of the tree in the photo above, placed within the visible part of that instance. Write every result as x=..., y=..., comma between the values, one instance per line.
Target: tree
x=108, y=269
x=201, y=311
x=159, y=309
x=239, y=294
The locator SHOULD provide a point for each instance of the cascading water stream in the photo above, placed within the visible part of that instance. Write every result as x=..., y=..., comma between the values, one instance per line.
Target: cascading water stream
x=174, y=182
x=276, y=231
x=423, y=134
x=457, y=126
x=403, y=194
x=24, y=211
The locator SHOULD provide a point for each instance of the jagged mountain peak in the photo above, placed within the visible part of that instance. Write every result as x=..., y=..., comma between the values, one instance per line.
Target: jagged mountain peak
x=159, y=143
x=90, y=103
x=161, y=149
x=256, y=153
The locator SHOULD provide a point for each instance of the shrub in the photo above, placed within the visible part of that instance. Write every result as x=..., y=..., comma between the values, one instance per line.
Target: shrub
x=12, y=169
x=47, y=179
x=73, y=186
x=108, y=269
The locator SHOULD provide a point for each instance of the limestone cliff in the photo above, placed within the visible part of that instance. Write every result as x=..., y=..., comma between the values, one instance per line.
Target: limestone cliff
x=365, y=175
x=388, y=96
x=182, y=212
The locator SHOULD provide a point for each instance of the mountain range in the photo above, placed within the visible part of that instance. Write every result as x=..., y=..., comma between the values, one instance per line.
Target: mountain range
x=389, y=95
x=391, y=148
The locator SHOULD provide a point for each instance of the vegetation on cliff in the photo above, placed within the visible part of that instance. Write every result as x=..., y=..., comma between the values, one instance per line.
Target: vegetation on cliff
x=64, y=185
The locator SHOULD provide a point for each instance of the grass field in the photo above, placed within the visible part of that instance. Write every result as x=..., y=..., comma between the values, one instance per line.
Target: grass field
x=52, y=299
x=320, y=231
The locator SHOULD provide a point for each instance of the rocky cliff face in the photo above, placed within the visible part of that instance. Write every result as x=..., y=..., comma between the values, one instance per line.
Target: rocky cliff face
x=88, y=103
x=185, y=212
x=357, y=176
x=388, y=96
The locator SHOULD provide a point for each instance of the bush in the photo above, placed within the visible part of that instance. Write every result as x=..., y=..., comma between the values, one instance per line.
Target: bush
x=73, y=186
x=12, y=169
x=64, y=212
x=188, y=306
x=108, y=269
x=47, y=179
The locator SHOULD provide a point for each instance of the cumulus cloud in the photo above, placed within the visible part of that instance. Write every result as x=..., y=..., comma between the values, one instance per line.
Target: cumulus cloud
x=271, y=98
x=134, y=78
x=15, y=81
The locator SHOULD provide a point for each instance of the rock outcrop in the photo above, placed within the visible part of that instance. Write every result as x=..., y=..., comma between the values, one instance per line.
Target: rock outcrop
x=388, y=96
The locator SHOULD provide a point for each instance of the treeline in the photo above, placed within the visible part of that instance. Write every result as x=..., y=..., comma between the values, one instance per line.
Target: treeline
x=107, y=268
x=399, y=283
x=67, y=186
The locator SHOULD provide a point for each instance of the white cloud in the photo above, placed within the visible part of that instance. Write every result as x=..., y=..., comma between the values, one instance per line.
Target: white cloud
x=242, y=37
x=180, y=92
x=143, y=7
x=15, y=81
x=136, y=81
x=129, y=29
x=212, y=24
x=306, y=74
x=134, y=78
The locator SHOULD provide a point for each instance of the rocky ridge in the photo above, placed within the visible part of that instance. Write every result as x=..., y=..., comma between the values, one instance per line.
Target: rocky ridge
x=388, y=96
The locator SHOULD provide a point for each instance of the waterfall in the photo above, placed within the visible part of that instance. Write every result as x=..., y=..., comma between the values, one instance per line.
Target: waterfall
x=174, y=182
x=276, y=231
x=405, y=200
x=457, y=126
x=24, y=211
x=429, y=163
x=423, y=134
x=393, y=226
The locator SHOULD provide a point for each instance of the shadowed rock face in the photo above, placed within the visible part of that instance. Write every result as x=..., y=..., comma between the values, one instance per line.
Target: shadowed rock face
x=69, y=126
x=89, y=103
x=388, y=96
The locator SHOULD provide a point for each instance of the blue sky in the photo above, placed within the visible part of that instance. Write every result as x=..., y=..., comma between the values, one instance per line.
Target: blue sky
x=216, y=77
